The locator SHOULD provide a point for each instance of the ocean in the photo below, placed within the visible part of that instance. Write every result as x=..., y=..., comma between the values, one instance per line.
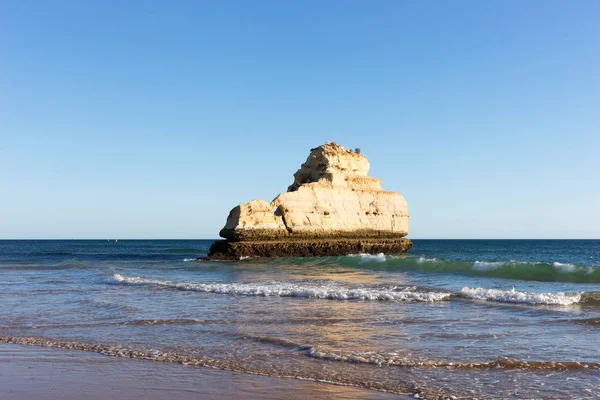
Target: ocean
x=464, y=318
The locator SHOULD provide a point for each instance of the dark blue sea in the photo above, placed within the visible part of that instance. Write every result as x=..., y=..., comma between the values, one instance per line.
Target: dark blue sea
x=464, y=318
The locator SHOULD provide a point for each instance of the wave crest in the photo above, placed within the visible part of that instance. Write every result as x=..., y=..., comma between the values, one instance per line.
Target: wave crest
x=280, y=289
x=507, y=269
x=365, y=257
x=514, y=296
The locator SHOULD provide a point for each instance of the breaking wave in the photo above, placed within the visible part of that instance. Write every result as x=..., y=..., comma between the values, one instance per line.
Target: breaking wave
x=332, y=291
x=280, y=289
x=512, y=269
x=365, y=257
x=514, y=296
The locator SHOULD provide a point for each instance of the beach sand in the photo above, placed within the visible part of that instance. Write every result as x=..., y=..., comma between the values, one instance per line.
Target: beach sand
x=43, y=373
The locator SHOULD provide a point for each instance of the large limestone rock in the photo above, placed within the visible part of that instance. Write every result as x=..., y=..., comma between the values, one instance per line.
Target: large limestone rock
x=331, y=197
x=254, y=220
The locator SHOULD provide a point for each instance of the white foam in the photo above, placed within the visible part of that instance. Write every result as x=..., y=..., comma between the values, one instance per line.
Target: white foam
x=514, y=296
x=190, y=259
x=244, y=258
x=566, y=268
x=569, y=268
x=370, y=257
x=331, y=291
x=486, y=266
x=492, y=265
x=422, y=259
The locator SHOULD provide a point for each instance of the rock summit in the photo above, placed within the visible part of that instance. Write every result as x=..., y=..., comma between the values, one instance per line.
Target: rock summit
x=332, y=208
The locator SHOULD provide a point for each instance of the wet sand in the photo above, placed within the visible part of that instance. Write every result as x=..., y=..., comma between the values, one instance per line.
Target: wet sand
x=43, y=373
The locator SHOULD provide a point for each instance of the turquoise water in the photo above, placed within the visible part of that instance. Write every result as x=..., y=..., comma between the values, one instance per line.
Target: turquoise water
x=469, y=318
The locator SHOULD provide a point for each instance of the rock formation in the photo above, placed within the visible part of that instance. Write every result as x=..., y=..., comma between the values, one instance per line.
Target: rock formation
x=332, y=208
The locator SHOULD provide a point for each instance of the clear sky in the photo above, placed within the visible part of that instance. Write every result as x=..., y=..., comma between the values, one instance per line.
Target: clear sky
x=152, y=119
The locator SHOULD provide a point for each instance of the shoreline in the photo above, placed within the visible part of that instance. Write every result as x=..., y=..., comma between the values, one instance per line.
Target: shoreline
x=49, y=373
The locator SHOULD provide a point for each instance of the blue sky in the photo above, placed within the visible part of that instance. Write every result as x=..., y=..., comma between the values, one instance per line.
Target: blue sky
x=147, y=119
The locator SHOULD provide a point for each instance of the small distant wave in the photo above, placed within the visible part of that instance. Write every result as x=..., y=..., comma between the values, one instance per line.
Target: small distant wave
x=487, y=266
x=190, y=259
x=562, y=268
x=509, y=269
x=422, y=259
x=370, y=257
x=569, y=268
x=565, y=268
x=514, y=296
x=280, y=289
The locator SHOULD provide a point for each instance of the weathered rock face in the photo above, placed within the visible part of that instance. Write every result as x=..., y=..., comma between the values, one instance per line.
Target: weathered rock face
x=333, y=198
x=253, y=221
x=226, y=250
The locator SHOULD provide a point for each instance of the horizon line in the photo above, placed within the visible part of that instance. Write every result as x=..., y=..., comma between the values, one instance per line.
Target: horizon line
x=122, y=239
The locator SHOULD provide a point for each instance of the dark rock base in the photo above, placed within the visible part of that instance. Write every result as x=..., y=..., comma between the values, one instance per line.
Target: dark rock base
x=226, y=250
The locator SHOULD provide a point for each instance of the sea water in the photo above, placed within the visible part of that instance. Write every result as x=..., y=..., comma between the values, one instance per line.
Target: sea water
x=464, y=318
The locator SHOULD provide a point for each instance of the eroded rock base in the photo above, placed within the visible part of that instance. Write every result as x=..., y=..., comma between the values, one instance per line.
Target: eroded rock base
x=228, y=250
